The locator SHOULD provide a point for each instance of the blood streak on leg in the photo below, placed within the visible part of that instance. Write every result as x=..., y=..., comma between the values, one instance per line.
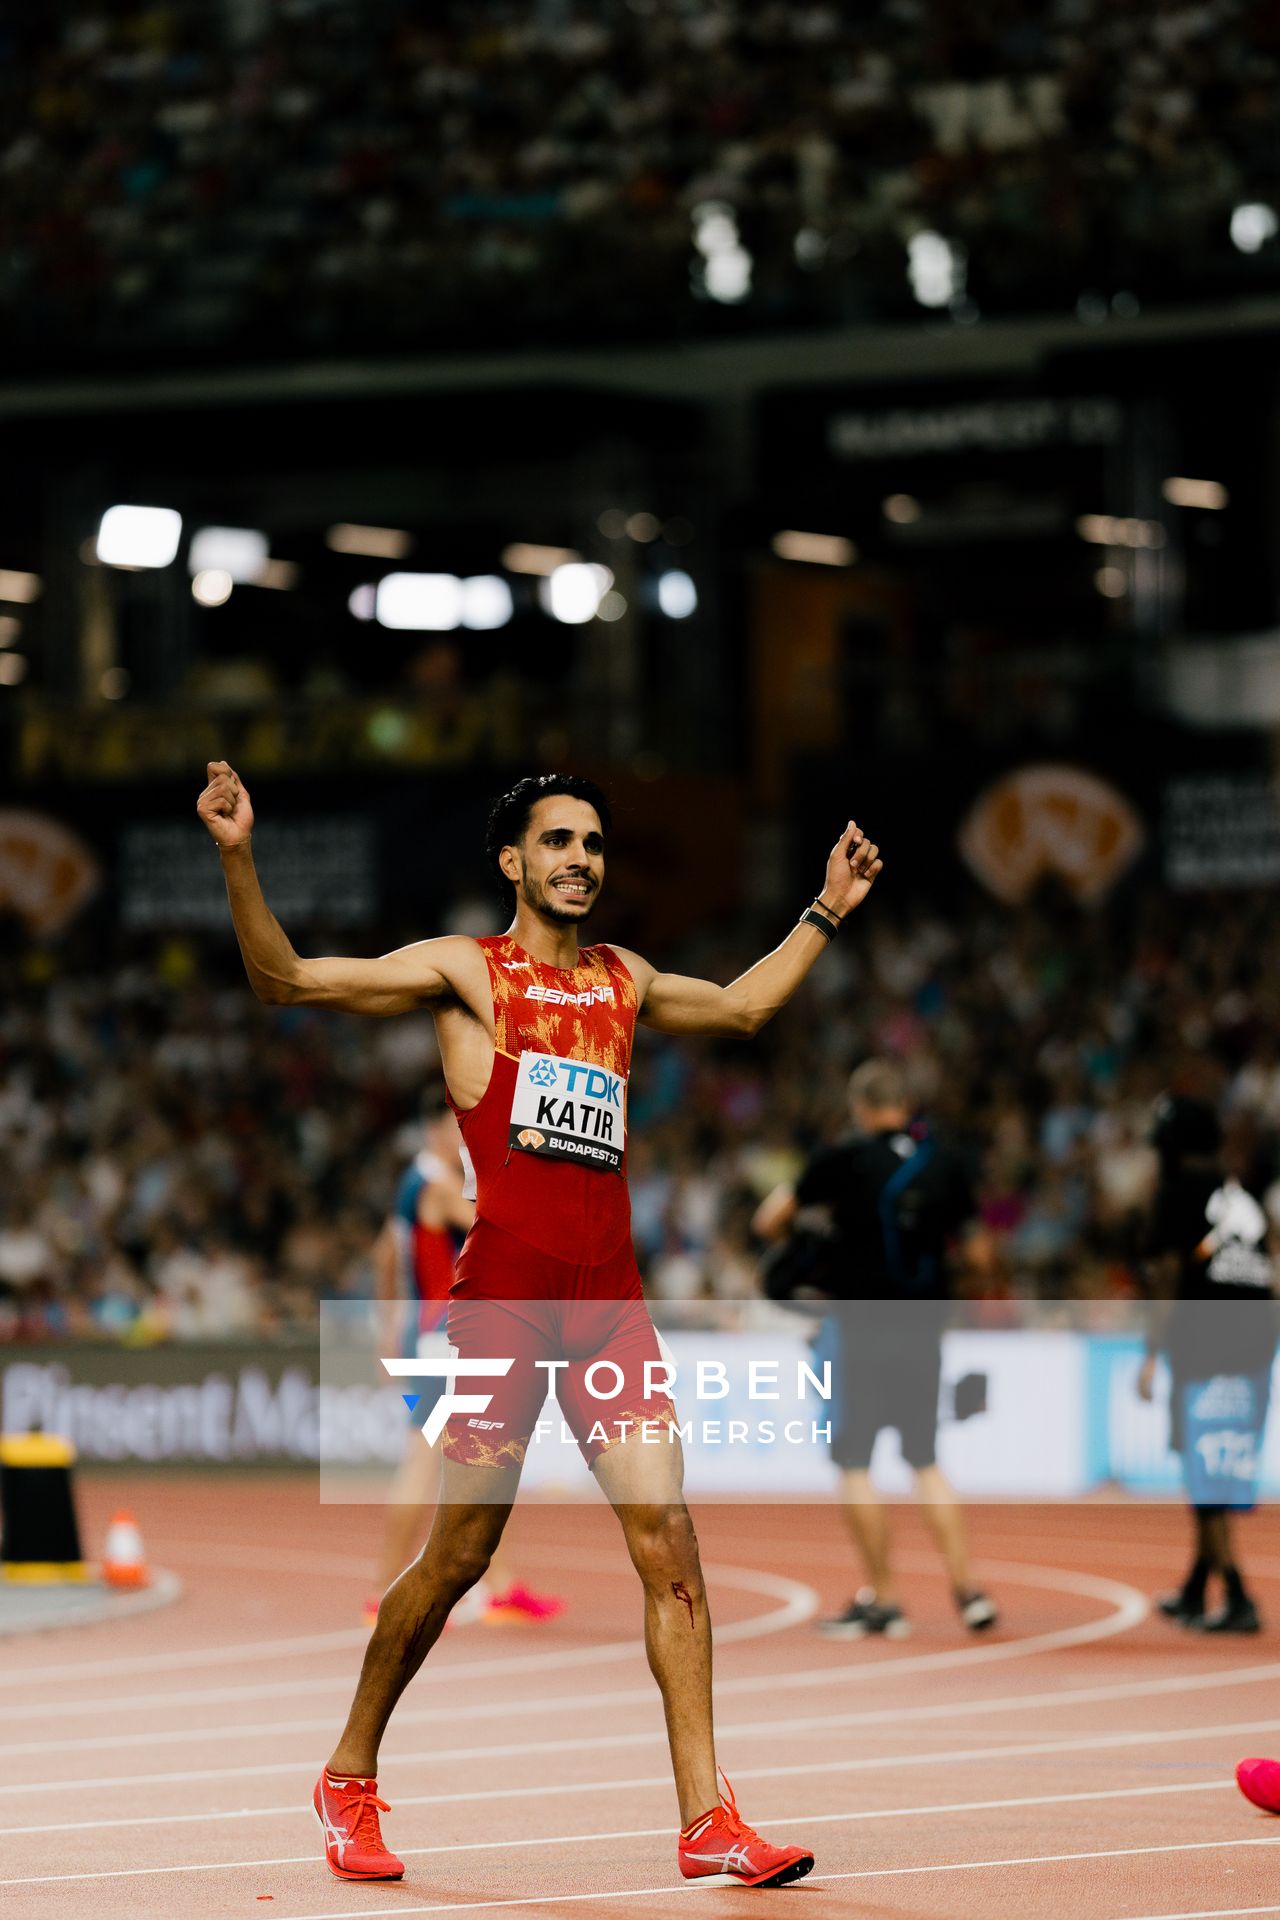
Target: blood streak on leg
x=682, y=1594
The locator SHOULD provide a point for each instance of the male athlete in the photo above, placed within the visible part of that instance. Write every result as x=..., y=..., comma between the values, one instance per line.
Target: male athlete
x=552, y=1226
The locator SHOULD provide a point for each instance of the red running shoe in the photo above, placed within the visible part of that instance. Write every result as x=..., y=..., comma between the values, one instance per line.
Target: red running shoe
x=522, y=1603
x=721, y=1842
x=348, y=1811
x=1259, y=1781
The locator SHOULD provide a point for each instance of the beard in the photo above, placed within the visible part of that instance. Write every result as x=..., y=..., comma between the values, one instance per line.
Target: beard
x=544, y=902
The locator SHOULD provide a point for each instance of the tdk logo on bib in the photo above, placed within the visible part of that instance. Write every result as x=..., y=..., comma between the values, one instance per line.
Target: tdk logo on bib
x=569, y=1110
x=575, y=1075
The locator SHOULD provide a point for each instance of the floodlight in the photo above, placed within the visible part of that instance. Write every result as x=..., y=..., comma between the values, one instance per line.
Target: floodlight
x=139, y=536
x=573, y=593
x=677, y=595
x=486, y=602
x=420, y=602
x=239, y=551
x=212, y=587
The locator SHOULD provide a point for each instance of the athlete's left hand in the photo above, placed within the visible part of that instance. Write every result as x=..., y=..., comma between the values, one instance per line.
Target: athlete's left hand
x=851, y=870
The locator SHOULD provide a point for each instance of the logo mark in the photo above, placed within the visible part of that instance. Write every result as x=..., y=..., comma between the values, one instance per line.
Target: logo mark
x=530, y=1137
x=543, y=1073
x=448, y=1368
x=557, y=997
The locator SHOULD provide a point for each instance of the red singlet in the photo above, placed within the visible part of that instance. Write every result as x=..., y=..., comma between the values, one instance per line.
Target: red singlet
x=575, y=1209
x=548, y=1270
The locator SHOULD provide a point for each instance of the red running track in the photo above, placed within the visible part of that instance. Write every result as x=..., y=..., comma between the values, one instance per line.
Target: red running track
x=1078, y=1763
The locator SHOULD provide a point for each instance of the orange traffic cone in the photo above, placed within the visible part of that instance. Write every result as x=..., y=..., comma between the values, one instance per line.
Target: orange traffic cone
x=123, y=1562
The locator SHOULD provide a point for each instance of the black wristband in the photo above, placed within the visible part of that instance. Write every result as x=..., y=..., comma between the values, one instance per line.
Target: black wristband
x=827, y=928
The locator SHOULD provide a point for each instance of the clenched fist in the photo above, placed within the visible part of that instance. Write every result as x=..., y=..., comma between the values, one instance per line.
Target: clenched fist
x=852, y=867
x=225, y=808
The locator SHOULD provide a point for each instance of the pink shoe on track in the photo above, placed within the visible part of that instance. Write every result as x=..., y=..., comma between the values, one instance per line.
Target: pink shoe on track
x=1259, y=1781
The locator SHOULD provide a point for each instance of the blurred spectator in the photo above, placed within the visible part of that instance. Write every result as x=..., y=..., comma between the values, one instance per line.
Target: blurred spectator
x=183, y=1161
x=298, y=176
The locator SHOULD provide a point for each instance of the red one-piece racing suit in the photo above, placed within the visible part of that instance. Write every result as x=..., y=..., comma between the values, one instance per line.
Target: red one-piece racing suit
x=547, y=1272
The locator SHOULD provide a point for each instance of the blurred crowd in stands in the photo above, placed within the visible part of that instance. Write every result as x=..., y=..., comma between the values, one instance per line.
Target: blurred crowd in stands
x=183, y=1162
x=271, y=177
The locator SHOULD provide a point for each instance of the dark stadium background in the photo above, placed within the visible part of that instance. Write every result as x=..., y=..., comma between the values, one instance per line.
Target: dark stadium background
x=254, y=268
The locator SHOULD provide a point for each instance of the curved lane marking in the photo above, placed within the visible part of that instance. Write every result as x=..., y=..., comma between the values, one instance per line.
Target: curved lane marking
x=799, y=1603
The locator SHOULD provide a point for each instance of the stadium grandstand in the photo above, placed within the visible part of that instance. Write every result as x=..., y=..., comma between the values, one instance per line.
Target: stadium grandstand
x=776, y=424
x=231, y=176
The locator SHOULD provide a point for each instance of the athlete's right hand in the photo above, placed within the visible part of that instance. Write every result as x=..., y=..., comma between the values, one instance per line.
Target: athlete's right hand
x=224, y=806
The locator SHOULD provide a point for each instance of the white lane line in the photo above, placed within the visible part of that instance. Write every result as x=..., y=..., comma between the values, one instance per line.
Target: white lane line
x=1169, y=1557
x=1125, y=1598
x=524, y=1749
x=1130, y=1607
x=813, y=1723
x=221, y=1656
x=234, y=1553
x=1128, y=1602
x=231, y=1553
x=593, y=1560
x=507, y=1844
x=773, y=1727
x=913, y=1812
x=1205, y=1913
x=798, y=1603
x=1044, y=1859
x=1061, y=1698
x=717, y=1884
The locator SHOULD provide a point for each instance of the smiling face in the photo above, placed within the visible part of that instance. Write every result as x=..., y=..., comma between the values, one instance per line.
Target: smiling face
x=557, y=868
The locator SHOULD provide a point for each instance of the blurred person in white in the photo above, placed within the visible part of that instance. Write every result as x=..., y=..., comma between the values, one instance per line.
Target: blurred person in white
x=27, y=1252
x=1256, y=1087
x=204, y=1290
x=1126, y=1166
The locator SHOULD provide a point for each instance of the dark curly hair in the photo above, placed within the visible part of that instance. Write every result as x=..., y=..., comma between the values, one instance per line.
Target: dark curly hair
x=510, y=812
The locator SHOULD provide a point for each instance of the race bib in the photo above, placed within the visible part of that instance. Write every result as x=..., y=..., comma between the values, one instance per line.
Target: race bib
x=569, y=1110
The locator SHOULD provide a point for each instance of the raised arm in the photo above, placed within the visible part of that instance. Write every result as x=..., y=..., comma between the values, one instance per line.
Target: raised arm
x=393, y=983
x=674, y=1003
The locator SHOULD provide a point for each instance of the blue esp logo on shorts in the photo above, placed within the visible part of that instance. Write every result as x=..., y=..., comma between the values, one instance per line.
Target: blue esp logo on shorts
x=1222, y=1423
